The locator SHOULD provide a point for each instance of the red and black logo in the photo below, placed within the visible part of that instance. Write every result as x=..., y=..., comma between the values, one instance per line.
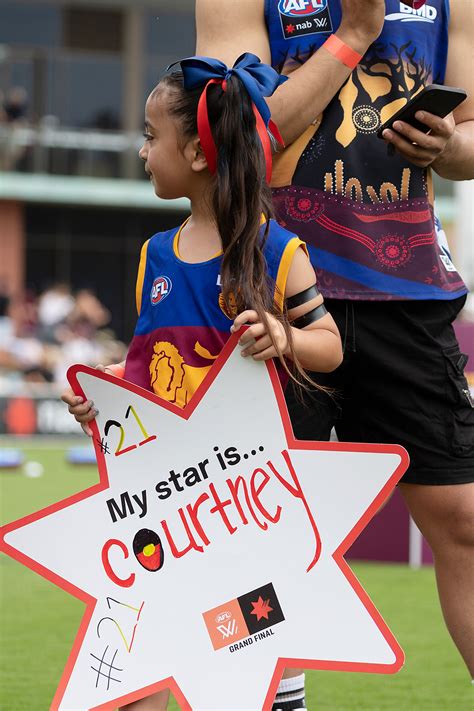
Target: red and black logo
x=261, y=608
x=244, y=618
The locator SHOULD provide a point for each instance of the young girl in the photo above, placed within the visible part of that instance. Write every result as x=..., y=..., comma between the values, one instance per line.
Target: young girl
x=229, y=264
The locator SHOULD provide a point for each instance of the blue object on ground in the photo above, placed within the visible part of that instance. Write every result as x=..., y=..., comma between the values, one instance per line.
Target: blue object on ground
x=81, y=455
x=10, y=458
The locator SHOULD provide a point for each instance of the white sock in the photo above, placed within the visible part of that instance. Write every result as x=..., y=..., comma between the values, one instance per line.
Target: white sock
x=290, y=694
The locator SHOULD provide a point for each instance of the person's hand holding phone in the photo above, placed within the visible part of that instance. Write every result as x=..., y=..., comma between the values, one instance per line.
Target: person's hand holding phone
x=418, y=147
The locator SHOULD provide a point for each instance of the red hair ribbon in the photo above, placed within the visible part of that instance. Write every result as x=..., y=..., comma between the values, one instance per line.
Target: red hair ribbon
x=207, y=139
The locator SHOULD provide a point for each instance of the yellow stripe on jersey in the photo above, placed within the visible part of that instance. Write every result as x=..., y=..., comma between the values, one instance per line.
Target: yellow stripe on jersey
x=177, y=236
x=141, y=277
x=284, y=268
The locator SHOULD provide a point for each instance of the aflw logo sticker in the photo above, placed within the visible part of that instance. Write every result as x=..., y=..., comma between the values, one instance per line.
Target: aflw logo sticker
x=229, y=630
x=244, y=616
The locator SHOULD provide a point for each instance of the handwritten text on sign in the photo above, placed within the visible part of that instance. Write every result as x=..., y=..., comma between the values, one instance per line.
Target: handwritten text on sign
x=210, y=556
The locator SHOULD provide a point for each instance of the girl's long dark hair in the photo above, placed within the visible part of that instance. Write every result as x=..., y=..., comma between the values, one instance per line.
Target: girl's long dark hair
x=241, y=198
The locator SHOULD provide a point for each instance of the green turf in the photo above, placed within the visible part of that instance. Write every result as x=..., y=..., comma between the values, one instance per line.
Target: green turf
x=39, y=622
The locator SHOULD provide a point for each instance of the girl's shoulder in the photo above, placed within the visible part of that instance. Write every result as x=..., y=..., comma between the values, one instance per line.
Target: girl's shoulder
x=280, y=249
x=165, y=236
x=279, y=237
x=162, y=242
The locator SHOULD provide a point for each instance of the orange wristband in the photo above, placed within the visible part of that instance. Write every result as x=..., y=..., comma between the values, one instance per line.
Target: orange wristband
x=342, y=51
x=116, y=369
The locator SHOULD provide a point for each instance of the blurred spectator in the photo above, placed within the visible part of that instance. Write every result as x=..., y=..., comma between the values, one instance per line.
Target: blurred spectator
x=13, y=117
x=23, y=312
x=88, y=306
x=48, y=335
x=6, y=325
x=55, y=305
x=78, y=346
x=105, y=120
x=15, y=105
x=21, y=350
x=3, y=116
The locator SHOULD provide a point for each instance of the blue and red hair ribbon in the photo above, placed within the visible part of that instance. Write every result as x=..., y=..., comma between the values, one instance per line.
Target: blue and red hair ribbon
x=259, y=80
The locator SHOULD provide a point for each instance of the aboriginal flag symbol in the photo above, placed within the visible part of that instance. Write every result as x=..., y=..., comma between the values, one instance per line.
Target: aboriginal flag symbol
x=148, y=549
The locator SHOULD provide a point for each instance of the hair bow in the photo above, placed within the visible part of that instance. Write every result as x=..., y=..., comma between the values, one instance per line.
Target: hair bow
x=259, y=79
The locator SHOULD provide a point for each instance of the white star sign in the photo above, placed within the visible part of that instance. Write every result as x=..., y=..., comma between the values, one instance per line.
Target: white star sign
x=210, y=555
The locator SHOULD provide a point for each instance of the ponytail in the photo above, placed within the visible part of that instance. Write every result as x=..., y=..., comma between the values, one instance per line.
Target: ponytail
x=240, y=199
x=241, y=202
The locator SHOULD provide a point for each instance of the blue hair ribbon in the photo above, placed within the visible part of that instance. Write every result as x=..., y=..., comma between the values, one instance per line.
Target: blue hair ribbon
x=260, y=80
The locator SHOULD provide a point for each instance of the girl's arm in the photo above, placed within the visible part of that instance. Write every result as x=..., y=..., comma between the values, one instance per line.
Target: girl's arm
x=317, y=346
x=85, y=411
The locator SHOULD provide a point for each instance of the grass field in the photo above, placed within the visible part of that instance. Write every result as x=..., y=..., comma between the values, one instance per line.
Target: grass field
x=39, y=621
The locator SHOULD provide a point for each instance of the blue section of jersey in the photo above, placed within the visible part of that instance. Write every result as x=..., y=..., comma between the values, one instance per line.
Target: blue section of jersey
x=297, y=28
x=371, y=280
x=177, y=293
x=361, y=207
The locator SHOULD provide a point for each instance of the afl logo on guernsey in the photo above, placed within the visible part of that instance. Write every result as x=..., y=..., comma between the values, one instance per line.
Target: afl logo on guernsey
x=160, y=289
x=300, y=8
x=304, y=17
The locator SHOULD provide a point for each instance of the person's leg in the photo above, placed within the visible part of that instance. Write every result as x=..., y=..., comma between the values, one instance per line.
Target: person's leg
x=155, y=702
x=409, y=388
x=291, y=692
x=313, y=414
x=445, y=516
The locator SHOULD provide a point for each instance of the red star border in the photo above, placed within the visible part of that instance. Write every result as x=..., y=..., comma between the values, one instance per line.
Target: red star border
x=196, y=507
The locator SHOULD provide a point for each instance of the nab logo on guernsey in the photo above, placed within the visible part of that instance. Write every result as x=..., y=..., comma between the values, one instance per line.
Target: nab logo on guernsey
x=420, y=12
x=160, y=289
x=304, y=17
x=244, y=621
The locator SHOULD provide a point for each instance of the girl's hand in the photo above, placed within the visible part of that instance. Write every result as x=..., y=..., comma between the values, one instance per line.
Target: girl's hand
x=256, y=340
x=420, y=148
x=84, y=411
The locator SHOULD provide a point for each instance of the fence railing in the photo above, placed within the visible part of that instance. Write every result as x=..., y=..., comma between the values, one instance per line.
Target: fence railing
x=65, y=151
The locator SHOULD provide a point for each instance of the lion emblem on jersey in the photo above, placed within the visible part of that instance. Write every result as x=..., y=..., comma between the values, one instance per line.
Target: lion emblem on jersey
x=171, y=378
x=230, y=309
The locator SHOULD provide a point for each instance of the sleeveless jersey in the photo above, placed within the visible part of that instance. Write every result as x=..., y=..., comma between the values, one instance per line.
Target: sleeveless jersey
x=182, y=325
x=367, y=217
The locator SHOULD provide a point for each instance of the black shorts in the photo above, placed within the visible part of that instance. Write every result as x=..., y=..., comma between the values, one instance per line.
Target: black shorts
x=402, y=382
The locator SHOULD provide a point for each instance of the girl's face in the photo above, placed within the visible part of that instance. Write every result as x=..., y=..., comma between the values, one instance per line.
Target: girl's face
x=166, y=158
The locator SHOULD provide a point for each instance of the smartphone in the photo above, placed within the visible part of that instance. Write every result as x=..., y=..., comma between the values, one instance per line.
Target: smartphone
x=435, y=99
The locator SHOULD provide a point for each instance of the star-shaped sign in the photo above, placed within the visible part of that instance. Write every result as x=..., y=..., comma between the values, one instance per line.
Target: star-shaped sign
x=207, y=529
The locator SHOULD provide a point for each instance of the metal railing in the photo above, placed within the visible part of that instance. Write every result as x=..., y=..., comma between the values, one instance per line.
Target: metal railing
x=60, y=150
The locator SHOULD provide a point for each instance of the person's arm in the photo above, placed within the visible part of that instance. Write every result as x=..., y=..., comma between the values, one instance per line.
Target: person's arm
x=237, y=27
x=456, y=162
x=317, y=346
x=449, y=147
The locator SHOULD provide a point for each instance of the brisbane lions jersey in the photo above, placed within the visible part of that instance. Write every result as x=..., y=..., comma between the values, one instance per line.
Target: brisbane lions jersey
x=183, y=323
x=366, y=216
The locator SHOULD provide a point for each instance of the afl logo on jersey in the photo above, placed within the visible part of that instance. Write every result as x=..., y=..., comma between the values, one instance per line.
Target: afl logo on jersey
x=160, y=289
x=301, y=8
x=304, y=17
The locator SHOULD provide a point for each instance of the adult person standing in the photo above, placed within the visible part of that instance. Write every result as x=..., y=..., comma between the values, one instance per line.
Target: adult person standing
x=365, y=208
